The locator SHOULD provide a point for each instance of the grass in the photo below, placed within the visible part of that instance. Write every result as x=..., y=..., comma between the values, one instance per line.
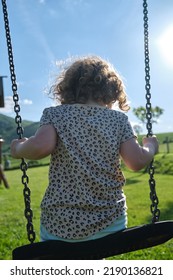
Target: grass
x=12, y=220
x=138, y=201
x=163, y=148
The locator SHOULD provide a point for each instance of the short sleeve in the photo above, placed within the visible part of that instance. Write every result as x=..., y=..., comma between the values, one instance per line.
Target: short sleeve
x=46, y=117
x=128, y=131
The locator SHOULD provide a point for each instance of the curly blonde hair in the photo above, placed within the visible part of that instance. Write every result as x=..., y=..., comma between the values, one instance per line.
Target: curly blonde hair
x=90, y=78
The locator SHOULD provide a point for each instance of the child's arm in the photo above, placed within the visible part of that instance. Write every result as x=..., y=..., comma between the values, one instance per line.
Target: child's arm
x=136, y=157
x=38, y=146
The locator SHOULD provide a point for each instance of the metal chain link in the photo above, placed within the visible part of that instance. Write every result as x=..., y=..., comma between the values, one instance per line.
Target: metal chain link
x=25, y=179
x=153, y=196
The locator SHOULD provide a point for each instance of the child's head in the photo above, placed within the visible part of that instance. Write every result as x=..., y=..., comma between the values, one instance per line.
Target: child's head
x=90, y=79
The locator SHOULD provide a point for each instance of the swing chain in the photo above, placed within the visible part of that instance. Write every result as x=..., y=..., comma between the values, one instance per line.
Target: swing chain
x=25, y=179
x=153, y=196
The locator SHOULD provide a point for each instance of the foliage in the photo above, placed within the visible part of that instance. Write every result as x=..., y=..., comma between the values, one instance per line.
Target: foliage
x=164, y=164
x=141, y=113
x=137, y=128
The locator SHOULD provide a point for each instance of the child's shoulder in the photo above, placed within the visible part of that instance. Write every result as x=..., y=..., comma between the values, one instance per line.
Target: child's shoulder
x=77, y=108
x=58, y=110
x=119, y=114
x=52, y=109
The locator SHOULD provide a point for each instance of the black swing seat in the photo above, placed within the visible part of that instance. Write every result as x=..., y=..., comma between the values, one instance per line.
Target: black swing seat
x=130, y=239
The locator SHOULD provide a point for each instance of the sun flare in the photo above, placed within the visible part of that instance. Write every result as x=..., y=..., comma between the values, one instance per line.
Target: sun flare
x=165, y=45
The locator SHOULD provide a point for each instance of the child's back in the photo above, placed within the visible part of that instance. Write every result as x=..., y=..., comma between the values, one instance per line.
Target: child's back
x=85, y=187
x=86, y=138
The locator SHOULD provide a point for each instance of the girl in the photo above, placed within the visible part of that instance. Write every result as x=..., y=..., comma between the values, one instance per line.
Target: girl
x=86, y=139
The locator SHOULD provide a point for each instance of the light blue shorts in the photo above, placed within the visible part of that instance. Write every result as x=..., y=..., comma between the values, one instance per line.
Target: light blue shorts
x=118, y=225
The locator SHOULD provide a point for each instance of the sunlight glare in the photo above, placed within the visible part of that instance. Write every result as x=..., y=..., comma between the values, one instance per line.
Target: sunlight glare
x=165, y=45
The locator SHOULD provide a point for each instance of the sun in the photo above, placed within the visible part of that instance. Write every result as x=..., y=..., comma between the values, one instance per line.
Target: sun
x=165, y=45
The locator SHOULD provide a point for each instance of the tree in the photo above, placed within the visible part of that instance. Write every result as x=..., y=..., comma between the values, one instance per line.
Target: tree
x=140, y=113
x=137, y=128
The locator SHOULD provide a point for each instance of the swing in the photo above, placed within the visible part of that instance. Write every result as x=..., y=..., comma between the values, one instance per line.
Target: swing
x=128, y=240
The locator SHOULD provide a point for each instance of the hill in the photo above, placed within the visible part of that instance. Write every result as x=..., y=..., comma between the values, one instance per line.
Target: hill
x=8, y=130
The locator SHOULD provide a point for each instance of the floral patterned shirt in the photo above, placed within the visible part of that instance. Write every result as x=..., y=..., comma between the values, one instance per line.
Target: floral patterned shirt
x=85, y=193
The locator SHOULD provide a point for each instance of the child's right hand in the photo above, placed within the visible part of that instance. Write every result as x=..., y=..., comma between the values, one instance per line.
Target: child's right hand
x=151, y=141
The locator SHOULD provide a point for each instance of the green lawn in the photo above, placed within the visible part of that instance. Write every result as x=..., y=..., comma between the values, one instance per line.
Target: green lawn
x=12, y=220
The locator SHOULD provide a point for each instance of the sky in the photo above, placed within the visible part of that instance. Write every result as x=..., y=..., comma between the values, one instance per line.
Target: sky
x=45, y=32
